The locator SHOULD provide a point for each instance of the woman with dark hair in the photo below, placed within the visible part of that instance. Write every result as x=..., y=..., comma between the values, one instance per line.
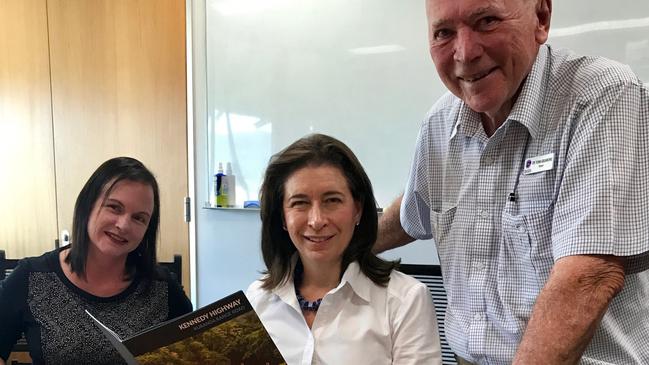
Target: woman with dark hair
x=109, y=269
x=325, y=298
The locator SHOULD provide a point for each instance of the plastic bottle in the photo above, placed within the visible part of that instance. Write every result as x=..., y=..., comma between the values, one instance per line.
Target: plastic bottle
x=225, y=191
x=230, y=186
x=218, y=187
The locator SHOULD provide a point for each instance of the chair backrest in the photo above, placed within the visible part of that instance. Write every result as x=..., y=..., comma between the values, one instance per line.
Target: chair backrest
x=6, y=265
x=175, y=267
x=431, y=275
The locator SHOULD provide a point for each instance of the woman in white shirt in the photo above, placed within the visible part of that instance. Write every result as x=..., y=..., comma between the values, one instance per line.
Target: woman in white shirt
x=325, y=298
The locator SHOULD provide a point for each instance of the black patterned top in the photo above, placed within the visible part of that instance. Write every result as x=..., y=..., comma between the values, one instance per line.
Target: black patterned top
x=39, y=300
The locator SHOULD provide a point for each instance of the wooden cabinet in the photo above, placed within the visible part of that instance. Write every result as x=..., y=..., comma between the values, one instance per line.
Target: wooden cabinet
x=118, y=88
x=83, y=81
x=28, y=217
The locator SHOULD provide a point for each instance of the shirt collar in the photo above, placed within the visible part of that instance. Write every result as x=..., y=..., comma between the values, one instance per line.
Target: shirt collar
x=357, y=281
x=286, y=291
x=468, y=122
x=527, y=109
x=353, y=277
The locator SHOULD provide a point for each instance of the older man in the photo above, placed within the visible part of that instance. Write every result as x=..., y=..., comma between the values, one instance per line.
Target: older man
x=531, y=177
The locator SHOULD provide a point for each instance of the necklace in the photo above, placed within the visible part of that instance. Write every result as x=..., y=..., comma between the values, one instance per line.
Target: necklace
x=305, y=304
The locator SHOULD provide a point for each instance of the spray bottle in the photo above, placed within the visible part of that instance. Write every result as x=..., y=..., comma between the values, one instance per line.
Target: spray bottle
x=218, y=186
x=230, y=186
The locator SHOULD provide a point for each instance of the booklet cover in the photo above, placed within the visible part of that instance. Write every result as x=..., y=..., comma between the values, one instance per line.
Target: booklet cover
x=226, y=332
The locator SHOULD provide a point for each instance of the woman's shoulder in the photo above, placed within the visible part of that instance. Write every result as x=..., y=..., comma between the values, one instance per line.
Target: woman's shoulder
x=256, y=291
x=17, y=282
x=402, y=285
x=165, y=281
x=43, y=263
x=162, y=273
x=168, y=277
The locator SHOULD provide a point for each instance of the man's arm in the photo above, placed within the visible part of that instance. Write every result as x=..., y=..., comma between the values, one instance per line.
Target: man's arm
x=391, y=234
x=569, y=308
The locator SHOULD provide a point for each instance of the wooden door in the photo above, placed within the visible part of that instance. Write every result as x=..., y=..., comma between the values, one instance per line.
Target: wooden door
x=118, y=89
x=28, y=224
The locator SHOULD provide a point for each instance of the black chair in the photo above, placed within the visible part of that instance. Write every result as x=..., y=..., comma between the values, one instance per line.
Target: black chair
x=431, y=275
x=6, y=265
x=175, y=268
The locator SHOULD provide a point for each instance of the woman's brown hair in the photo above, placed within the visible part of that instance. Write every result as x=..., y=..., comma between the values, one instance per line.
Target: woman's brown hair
x=276, y=245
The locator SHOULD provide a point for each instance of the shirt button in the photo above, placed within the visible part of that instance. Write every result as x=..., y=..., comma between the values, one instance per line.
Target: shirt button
x=479, y=266
x=484, y=214
x=521, y=228
x=477, y=317
x=488, y=160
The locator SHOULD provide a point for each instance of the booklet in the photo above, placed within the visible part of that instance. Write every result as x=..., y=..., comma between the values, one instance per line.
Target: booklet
x=225, y=332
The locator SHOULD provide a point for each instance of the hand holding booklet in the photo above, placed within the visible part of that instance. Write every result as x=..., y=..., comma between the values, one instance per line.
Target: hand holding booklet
x=227, y=331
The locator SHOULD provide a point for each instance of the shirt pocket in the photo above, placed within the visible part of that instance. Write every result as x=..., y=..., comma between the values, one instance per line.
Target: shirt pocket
x=441, y=223
x=525, y=257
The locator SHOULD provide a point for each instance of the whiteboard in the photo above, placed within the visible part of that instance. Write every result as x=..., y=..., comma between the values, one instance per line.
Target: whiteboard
x=358, y=70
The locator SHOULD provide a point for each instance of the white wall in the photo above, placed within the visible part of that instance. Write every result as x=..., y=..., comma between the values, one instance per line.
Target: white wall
x=288, y=63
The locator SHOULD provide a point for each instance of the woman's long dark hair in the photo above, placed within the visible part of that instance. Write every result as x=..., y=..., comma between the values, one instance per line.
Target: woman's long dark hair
x=142, y=260
x=276, y=245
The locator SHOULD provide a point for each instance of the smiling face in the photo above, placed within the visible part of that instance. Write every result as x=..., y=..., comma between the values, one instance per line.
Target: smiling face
x=118, y=222
x=484, y=49
x=320, y=214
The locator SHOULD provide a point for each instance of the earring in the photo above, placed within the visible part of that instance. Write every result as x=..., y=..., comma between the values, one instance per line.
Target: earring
x=284, y=227
x=358, y=223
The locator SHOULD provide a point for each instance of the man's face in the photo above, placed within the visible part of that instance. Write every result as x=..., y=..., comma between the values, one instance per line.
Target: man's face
x=484, y=49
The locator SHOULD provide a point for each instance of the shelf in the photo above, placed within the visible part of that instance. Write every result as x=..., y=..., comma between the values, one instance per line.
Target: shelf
x=209, y=206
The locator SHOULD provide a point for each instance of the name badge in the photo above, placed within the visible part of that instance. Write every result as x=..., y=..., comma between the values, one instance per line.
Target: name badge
x=539, y=164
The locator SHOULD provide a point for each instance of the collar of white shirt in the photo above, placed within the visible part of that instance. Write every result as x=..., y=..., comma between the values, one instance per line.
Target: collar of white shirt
x=353, y=277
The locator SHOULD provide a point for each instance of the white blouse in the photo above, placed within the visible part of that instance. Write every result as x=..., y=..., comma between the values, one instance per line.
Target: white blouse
x=358, y=322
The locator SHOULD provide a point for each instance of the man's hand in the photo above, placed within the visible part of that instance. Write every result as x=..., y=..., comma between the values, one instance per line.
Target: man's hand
x=569, y=308
x=391, y=234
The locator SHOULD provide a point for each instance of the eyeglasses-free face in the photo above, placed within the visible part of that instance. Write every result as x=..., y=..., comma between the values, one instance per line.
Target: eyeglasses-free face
x=119, y=221
x=320, y=214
